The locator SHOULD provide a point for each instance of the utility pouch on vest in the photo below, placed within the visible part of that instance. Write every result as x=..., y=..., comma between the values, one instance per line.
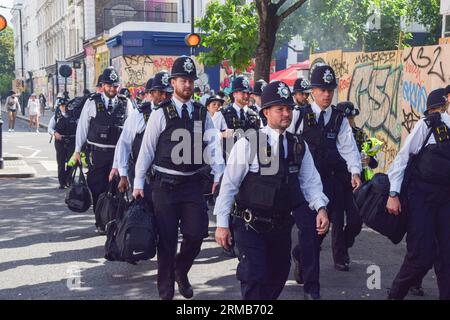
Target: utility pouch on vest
x=101, y=132
x=260, y=197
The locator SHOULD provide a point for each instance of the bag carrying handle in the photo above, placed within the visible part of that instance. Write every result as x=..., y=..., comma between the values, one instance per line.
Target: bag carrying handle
x=81, y=175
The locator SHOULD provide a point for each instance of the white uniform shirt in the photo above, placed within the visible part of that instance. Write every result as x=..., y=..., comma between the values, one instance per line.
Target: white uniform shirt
x=155, y=126
x=219, y=121
x=89, y=112
x=238, y=167
x=412, y=145
x=52, y=124
x=345, y=143
x=134, y=125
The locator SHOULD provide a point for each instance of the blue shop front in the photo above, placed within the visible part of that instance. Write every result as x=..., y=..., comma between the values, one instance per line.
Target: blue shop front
x=139, y=55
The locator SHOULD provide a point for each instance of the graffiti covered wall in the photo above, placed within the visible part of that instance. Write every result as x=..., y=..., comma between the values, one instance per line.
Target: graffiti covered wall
x=136, y=70
x=389, y=87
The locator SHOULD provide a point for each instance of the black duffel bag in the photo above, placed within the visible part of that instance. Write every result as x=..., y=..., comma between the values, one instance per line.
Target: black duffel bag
x=132, y=238
x=371, y=200
x=111, y=205
x=78, y=196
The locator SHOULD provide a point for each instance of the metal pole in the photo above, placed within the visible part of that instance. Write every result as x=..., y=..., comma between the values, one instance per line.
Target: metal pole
x=21, y=56
x=1, y=143
x=192, y=25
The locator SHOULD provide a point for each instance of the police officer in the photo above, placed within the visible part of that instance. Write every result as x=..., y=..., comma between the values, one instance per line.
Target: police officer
x=256, y=95
x=100, y=126
x=130, y=141
x=350, y=112
x=177, y=192
x=267, y=184
x=160, y=89
x=238, y=115
x=335, y=154
x=62, y=127
x=148, y=93
x=302, y=91
x=428, y=202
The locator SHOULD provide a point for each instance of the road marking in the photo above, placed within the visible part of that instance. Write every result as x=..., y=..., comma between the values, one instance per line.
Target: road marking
x=50, y=165
x=34, y=154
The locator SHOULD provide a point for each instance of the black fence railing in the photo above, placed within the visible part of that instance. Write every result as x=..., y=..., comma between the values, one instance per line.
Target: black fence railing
x=155, y=12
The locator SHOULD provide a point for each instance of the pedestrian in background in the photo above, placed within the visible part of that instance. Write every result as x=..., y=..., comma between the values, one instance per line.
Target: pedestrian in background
x=34, y=112
x=43, y=103
x=12, y=106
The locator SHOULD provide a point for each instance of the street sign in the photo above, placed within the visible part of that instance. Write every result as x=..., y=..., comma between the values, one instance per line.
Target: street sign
x=17, y=85
x=61, y=79
x=65, y=70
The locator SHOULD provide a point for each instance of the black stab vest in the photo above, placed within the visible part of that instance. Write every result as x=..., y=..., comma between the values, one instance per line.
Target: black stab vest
x=275, y=195
x=106, y=128
x=165, y=147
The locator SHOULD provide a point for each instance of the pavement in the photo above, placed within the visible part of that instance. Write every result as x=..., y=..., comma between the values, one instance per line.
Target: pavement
x=48, y=252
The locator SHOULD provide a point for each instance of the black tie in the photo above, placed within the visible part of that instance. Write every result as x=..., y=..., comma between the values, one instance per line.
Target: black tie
x=185, y=113
x=281, y=151
x=110, y=106
x=321, y=122
x=242, y=114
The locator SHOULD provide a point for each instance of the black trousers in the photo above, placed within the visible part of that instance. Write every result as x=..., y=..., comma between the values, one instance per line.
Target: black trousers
x=63, y=154
x=344, y=216
x=427, y=239
x=307, y=252
x=181, y=206
x=101, y=163
x=264, y=261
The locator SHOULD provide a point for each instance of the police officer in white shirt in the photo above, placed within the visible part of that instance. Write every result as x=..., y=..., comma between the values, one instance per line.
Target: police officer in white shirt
x=335, y=154
x=130, y=141
x=172, y=148
x=100, y=126
x=264, y=180
x=62, y=127
x=423, y=178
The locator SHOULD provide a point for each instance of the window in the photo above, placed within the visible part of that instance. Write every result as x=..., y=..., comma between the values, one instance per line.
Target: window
x=447, y=26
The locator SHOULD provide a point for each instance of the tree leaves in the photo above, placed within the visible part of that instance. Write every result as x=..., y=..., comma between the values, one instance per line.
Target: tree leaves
x=6, y=60
x=230, y=32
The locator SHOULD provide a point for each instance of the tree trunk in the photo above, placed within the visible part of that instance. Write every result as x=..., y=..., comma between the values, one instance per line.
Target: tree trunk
x=268, y=27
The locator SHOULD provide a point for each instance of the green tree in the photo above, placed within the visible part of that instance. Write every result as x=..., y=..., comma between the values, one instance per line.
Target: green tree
x=6, y=60
x=238, y=33
x=230, y=33
x=427, y=13
x=342, y=24
x=330, y=24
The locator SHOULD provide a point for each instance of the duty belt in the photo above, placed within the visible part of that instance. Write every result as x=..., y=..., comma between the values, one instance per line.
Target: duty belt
x=170, y=179
x=101, y=149
x=252, y=220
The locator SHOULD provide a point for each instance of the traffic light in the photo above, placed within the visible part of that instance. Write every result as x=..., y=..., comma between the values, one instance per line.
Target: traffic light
x=193, y=40
x=3, y=23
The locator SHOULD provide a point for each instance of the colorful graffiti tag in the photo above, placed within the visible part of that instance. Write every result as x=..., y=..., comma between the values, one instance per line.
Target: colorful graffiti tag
x=390, y=88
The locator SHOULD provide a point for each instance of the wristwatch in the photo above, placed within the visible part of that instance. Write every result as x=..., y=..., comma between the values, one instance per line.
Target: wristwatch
x=393, y=194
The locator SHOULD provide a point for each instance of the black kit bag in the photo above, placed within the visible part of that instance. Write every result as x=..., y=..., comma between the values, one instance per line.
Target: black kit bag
x=111, y=205
x=132, y=238
x=78, y=196
x=371, y=200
